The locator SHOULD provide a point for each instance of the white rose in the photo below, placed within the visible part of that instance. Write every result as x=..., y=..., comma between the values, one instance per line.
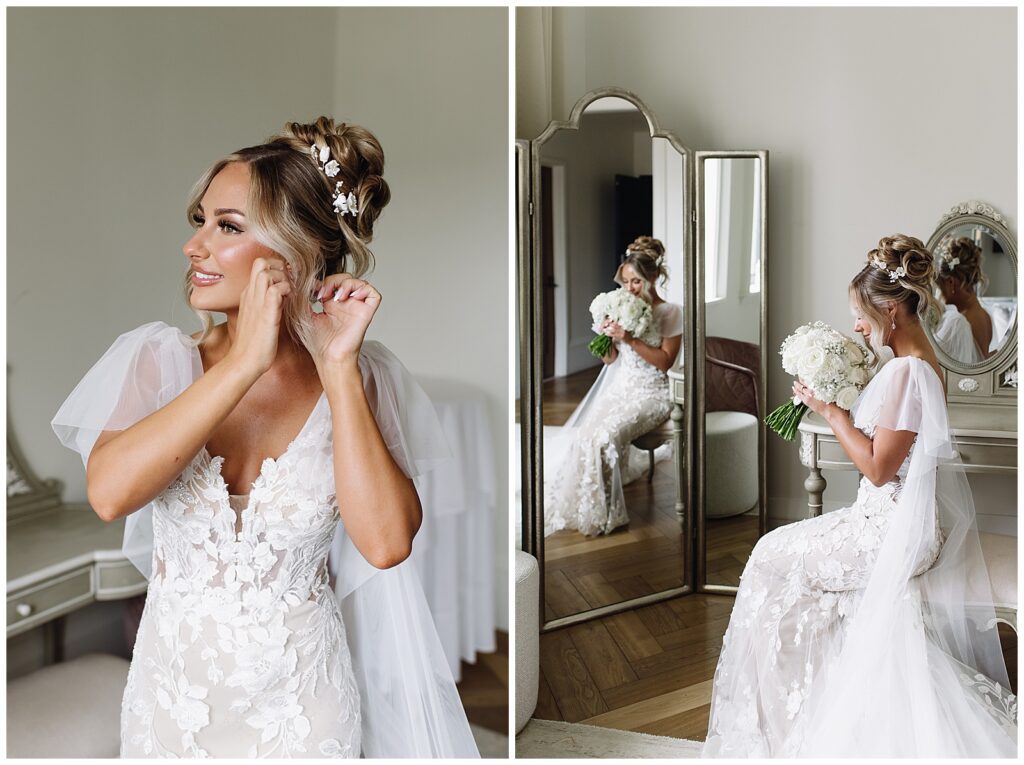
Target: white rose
x=846, y=397
x=858, y=375
x=811, y=361
x=854, y=353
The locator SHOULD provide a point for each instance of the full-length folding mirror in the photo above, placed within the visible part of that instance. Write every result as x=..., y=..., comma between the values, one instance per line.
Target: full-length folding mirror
x=603, y=515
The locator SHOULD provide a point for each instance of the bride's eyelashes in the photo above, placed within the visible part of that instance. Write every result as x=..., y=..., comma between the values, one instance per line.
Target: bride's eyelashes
x=224, y=225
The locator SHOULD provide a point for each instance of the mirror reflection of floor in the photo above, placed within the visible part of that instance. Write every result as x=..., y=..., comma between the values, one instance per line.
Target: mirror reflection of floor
x=729, y=543
x=643, y=557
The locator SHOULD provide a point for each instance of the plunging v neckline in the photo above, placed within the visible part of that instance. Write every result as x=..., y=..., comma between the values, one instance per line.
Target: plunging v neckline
x=216, y=462
x=219, y=461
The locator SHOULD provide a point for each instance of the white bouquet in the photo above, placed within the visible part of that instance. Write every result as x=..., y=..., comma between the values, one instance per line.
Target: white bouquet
x=627, y=310
x=828, y=362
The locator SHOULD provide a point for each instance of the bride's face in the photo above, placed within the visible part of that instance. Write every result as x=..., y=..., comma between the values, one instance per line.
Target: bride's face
x=631, y=281
x=859, y=325
x=222, y=248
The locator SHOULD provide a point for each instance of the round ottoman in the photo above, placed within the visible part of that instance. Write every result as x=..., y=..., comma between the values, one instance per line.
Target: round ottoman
x=527, y=636
x=730, y=463
x=68, y=710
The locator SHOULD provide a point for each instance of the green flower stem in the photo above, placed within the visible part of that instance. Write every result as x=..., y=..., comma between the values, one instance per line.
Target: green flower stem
x=600, y=345
x=785, y=419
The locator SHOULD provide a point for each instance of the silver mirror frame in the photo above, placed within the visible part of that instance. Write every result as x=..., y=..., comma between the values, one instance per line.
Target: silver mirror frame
x=985, y=215
x=531, y=312
x=698, y=397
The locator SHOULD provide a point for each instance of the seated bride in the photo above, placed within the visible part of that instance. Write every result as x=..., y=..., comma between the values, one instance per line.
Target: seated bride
x=595, y=458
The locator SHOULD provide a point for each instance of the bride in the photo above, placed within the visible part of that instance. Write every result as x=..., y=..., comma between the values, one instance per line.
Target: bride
x=852, y=634
x=240, y=455
x=965, y=329
x=593, y=453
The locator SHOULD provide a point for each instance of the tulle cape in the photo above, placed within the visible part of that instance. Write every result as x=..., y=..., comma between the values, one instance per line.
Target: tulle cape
x=955, y=337
x=920, y=672
x=410, y=706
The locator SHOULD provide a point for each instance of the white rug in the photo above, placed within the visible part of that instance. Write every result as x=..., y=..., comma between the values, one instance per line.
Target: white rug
x=492, y=746
x=560, y=740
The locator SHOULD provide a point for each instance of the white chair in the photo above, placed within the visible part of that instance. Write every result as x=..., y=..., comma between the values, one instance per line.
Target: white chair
x=68, y=710
x=527, y=637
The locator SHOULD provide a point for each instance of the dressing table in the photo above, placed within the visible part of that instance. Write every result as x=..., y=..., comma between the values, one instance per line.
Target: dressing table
x=60, y=557
x=986, y=440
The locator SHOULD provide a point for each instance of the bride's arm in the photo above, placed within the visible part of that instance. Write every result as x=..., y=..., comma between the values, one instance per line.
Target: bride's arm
x=378, y=502
x=877, y=459
x=128, y=468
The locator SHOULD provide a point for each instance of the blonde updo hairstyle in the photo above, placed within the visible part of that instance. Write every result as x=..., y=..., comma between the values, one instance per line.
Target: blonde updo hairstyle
x=646, y=256
x=968, y=271
x=872, y=289
x=291, y=210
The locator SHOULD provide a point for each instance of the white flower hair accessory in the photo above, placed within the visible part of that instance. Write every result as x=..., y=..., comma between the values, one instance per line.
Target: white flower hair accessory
x=899, y=273
x=344, y=204
x=948, y=263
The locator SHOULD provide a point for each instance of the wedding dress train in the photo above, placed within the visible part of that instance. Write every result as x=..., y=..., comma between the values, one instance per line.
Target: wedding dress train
x=851, y=635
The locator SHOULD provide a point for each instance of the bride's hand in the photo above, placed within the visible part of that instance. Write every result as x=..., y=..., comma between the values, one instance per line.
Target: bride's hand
x=806, y=395
x=616, y=332
x=349, y=305
x=259, y=315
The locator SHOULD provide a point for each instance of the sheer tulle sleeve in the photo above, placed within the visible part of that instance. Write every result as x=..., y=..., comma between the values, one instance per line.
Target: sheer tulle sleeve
x=141, y=372
x=670, y=318
x=895, y=400
x=404, y=413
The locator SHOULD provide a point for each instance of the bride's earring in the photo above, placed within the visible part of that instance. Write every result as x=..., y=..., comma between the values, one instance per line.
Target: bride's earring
x=894, y=322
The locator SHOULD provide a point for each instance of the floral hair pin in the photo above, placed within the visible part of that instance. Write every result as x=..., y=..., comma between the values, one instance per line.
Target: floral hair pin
x=949, y=263
x=899, y=273
x=344, y=204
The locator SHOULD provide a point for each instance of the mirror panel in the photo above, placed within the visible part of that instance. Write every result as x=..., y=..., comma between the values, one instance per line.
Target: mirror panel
x=976, y=283
x=611, y=532
x=731, y=252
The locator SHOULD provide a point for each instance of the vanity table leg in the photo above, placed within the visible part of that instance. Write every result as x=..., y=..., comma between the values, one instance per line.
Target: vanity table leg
x=53, y=641
x=814, y=485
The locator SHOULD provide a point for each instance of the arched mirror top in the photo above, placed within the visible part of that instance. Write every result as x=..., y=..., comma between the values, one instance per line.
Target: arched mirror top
x=976, y=283
x=611, y=99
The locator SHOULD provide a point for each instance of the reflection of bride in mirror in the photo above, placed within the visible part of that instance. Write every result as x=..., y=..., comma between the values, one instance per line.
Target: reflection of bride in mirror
x=869, y=631
x=965, y=330
x=594, y=457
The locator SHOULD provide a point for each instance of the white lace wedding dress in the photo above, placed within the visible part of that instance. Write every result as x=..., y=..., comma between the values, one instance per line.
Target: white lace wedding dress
x=594, y=456
x=243, y=649
x=851, y=634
